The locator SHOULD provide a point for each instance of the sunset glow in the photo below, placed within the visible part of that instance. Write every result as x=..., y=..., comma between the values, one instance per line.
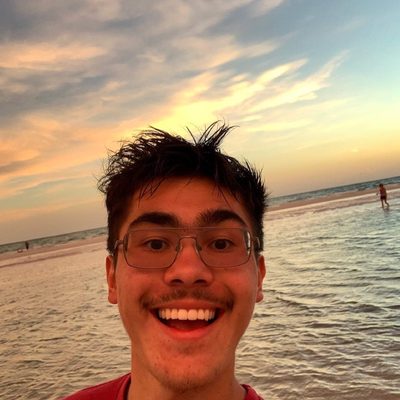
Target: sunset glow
x=313, y=88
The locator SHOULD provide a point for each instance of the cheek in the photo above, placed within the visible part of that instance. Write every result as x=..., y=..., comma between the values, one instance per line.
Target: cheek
x=245, y=288
x=246, y=296
x=131, y=288
x=129, y=312
x=125, y=293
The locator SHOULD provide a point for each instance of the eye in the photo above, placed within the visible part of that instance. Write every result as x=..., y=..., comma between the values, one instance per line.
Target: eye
x=221, y=244
x=156, y=244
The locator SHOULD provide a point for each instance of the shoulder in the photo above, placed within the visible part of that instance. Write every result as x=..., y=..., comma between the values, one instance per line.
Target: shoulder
x=114, y=390
x=251, y=393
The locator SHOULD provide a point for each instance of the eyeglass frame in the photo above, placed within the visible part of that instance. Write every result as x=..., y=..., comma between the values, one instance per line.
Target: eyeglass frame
x=254, y=246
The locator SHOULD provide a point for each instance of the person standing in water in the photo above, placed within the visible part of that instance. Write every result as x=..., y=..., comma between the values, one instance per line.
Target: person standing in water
x=383, y=194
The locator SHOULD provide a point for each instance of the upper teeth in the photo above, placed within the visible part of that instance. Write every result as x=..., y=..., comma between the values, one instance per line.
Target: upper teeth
x=181, y=314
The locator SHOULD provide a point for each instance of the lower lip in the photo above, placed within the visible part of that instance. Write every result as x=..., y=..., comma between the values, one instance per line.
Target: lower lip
x=193, y=334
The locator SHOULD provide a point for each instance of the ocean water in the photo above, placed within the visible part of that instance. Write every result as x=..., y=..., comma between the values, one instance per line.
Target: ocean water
x=328, y=328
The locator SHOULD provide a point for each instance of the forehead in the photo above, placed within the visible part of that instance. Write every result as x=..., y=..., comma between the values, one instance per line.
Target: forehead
x=187, y=200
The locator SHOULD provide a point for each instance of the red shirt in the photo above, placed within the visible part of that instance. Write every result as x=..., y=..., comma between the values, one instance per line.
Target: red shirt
x=117, y=389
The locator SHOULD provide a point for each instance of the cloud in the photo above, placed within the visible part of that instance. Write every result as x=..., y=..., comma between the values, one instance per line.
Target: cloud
x=44, y=142
x=297, y=90
x=45, y=150
x=261, y=7
x=77, y=76
x=45, y=56
x=246, y=97
x=14, y=166
x=351, y=25
x=68, y=68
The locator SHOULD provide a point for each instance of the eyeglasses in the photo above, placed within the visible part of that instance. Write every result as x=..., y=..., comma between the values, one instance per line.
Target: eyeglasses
x=158, y=248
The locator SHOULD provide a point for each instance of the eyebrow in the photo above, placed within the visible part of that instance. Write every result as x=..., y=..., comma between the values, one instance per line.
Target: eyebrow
x=156, y=218
x=206, y=218
x=216, y=216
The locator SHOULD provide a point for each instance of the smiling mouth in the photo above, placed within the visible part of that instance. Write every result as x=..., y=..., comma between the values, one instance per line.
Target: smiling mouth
x=183, y=319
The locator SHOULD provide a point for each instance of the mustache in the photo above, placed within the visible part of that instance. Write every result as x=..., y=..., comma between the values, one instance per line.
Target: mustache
x=184, y=294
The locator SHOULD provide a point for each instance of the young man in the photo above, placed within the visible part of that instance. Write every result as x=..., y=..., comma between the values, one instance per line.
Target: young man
x=185, y=225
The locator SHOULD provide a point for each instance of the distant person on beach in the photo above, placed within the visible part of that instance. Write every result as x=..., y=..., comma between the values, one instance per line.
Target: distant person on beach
x=185, y=264
x=27, y=245
x=383, y=194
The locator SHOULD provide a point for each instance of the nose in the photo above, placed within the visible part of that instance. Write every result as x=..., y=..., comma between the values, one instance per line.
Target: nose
x=188, y=269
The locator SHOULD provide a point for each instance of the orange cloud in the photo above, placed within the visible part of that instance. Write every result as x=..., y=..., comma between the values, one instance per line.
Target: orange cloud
x=39, y=56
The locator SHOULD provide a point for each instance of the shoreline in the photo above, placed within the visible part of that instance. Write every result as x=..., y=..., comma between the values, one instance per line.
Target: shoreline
x=333, y=197
x=12, y=258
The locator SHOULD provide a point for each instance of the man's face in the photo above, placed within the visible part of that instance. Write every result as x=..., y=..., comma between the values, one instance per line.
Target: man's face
x=185, y=354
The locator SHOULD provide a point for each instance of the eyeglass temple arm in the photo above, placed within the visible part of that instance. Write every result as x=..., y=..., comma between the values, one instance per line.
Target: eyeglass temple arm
x=115, y=250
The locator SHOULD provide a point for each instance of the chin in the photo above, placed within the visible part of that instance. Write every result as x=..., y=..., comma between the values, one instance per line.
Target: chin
x=190, y=373
x=187, y=379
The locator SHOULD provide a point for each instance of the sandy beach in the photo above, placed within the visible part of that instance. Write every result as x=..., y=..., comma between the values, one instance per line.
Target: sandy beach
x=59, y=250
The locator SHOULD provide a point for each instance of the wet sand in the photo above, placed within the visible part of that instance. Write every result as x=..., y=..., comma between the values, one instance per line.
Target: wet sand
x=59, y=250
x=338, y=196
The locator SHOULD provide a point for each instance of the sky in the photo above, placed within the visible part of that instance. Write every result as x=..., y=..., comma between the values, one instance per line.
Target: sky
x=313, y=87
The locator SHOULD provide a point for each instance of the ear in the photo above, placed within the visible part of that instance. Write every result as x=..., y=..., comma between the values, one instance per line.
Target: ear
x=260, y=278
x=112, y=283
